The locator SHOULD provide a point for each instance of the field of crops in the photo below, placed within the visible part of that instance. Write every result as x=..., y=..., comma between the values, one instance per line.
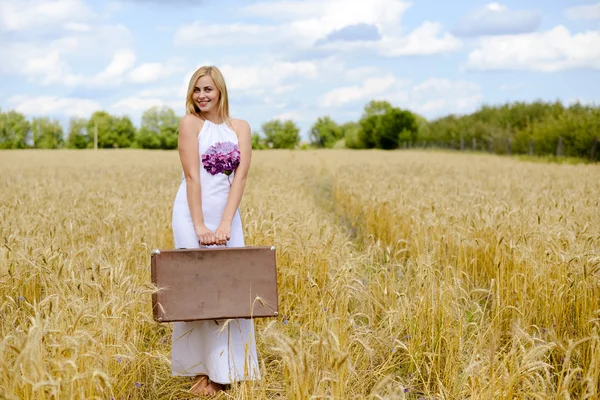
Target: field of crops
x=402, y=275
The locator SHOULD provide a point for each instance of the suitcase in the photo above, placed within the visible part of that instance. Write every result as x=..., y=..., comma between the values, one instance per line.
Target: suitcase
x=214, y=283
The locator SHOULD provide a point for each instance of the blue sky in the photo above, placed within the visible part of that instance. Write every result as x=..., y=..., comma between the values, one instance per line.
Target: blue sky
x=296, y=59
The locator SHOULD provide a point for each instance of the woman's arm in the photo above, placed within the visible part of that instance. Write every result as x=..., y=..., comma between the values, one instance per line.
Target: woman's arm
x=239, y=181
x=189, y=127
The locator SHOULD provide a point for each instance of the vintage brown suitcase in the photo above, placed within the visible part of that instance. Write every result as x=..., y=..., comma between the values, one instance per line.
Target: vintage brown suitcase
x=214, y=283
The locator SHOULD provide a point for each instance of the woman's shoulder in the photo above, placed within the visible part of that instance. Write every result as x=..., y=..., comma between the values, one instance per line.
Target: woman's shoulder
x=191, y=119
x=191, y=123
x=239, y=124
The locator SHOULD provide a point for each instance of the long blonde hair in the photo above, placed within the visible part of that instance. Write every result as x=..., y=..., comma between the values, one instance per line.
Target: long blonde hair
x=217, y=77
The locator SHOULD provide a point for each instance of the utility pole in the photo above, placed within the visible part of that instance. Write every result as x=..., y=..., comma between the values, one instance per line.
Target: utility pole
x=35, y=131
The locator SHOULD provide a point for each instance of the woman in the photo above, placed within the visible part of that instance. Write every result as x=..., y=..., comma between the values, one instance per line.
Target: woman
x=206, y=213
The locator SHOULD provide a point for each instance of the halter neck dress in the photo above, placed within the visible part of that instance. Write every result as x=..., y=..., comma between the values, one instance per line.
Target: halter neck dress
x=226, y=353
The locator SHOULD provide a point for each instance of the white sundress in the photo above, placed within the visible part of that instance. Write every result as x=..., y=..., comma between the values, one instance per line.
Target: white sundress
x=226, y=353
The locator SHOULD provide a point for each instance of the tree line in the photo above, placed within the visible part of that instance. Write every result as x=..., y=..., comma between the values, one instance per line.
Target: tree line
x=158, y=130
x=538, y=128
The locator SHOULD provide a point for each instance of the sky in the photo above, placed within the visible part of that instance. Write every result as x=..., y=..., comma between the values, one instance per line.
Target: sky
x=296, y=59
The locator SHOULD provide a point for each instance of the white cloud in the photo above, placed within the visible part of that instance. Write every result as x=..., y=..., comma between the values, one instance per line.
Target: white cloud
x=371, y=87
x=435, y=86
x=47, y=37
x=95, y=40
x=134, y=106
x=152, y=72
x=121, y=62
x=165, y=91
x=137, y=104
x=497, y=19
x=511, y=86
x=49, y=61
x=281, y=89
x=57, y=71
x=77, y=27
x=200, y=34
x=53, y=105
x=286, y=10
x=496, y=7
x=162, y=96
x=323, y=17
x=355, y=74
x=423, y=40
x=307, y=22
x=22, y=15
x=436, y=95
x=591, y=11
x=267, y=74
x=553, y=50
x=293, y=115
x=430, y=97
x=50, y=66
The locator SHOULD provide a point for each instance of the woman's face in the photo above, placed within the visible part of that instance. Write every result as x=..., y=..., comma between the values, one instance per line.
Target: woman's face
x=206, y=94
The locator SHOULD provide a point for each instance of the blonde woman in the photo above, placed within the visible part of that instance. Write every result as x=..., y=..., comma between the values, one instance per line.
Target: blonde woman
x=206, y=213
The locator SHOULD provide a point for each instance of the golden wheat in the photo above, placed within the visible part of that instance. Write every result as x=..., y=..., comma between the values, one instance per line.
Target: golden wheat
x=403, y=274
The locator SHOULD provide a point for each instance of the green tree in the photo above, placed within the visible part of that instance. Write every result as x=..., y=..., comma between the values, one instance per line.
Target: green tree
x=124, y=132
x=158, y=129
x=383, y=126
x=369, y=127
x=101, y=124
x=397, y=126
x=113, y=132
x=281, y=134
x=525, y=127
x=257, y=141
x=325, y=132
x=47, y=134
x=78, y=136
x=15, y=130
x=423, y=128
x=351, y=135
x=370, y=123
x=376, y=107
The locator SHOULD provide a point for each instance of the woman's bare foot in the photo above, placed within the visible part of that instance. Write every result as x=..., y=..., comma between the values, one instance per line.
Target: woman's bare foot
x=200, y=384
x=203, y=386
x=214, y=388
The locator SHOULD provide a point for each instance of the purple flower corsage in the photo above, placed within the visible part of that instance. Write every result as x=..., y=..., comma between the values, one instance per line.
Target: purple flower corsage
x=221, y=157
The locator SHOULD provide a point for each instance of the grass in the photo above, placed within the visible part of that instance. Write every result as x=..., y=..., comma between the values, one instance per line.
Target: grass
x=402, y=275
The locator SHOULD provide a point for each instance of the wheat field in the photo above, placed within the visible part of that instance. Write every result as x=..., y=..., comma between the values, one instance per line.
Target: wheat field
x=402, y=275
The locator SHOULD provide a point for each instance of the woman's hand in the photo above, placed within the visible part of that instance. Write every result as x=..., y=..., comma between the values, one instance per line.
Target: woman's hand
x=206, y=237
x=223, y=233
